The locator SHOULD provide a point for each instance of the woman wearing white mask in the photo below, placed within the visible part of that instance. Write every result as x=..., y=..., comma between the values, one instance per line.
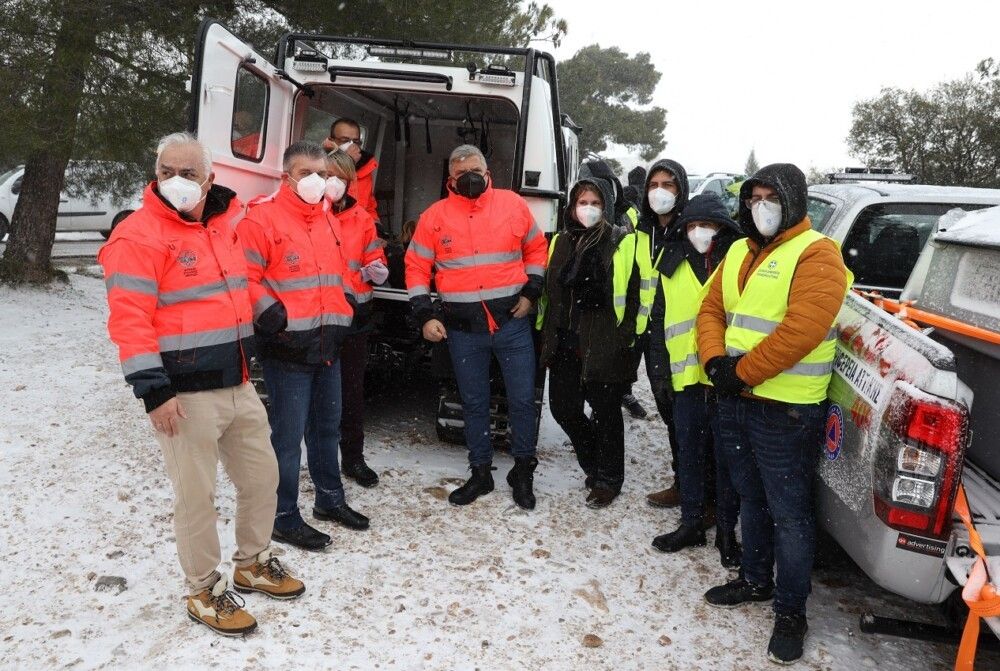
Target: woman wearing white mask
x=588, y=316
x=366, y=264
x=694, y=247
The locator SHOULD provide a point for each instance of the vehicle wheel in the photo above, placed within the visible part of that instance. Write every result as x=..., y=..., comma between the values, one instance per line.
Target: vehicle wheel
x=114, y=222
x=4, y=227
x=449, y=421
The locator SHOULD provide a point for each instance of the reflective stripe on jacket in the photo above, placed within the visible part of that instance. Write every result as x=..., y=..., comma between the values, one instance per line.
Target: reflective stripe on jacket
x=623, y=261
x=682, y=296
x=179, y=304
x=756, y=312
x=295, y=265
x=486, y=253
x=361, y=247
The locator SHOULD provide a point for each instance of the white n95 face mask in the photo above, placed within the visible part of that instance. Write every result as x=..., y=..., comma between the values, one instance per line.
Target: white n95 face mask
x=588, y=215
x=344, y=147
x=311, y=188
x=701, y=238
x=184, y=194
x=335, y=189
x=661, y=200
x=766, y=217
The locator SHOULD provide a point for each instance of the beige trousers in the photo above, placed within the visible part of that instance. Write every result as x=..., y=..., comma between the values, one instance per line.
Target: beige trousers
x=228, y=424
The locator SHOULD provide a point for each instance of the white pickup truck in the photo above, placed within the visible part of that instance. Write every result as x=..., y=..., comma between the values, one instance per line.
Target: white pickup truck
x=902, y=432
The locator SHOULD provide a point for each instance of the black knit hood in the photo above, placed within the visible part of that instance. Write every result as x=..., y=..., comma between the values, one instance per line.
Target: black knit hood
x=647, y=217
x=601, y=170
x=790, y=184
x=607, y=195
x=703, y=207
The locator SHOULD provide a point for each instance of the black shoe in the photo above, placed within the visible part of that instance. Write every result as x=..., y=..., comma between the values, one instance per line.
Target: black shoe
x=304, y=537
x=600, y=497
x=342, y=515
x=478, y=484
x=737, y=592
x=521, y=478
x=786, y=638
x=685, y=536
x=360, y=473
x=631, y=403
x=730, y=552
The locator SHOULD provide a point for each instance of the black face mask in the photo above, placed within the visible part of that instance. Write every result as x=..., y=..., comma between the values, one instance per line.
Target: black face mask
x=470, y=185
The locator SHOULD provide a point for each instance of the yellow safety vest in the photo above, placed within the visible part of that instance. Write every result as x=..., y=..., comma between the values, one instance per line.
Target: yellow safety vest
x=633, y=216
x=622, y=263
x=756, y=313
x=683, y=294
x=649, y=277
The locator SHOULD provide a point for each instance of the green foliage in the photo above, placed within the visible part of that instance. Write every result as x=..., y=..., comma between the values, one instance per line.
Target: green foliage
x=609, y=93
x=751, y=166
x=948, y=135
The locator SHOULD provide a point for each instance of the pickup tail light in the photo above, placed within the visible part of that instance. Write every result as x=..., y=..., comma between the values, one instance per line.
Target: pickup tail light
x=918, y=462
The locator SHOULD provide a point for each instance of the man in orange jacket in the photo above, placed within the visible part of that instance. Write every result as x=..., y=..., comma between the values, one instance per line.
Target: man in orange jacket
x=766, y=340
x=490, y=258
x=345, y=135
x=181, y=317
x=296, y=271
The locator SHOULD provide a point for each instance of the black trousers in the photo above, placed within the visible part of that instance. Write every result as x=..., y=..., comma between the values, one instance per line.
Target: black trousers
x=599, y=443
x=353, y=357
x=654, y=350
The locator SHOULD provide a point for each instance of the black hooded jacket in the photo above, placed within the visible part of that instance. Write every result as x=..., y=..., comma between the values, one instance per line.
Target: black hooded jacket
x=649, y=221
x=703, y=207
x=578, y=288
x=793, y=192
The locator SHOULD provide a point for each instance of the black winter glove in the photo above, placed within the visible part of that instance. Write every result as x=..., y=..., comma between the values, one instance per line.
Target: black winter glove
x=722, y=372
x=272, y=321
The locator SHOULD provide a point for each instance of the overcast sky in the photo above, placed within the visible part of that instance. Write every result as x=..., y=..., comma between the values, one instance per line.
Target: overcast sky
x=781, y=76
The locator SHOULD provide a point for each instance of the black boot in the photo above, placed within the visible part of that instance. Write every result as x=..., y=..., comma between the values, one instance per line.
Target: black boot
x=685, y=536
x=343, y=515
x=634, y=407
x=787, y=638
x=730, y=551
x=481, y=482
x=521, y=478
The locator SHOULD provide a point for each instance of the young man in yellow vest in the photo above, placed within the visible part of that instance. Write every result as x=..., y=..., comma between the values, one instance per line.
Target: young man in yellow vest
x=695, y=246
x=766, y=338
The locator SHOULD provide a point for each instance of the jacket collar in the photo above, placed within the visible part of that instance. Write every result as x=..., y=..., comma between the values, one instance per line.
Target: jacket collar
x=781, y=237
x=223, y=201
x=468, y=205
x=289, y=201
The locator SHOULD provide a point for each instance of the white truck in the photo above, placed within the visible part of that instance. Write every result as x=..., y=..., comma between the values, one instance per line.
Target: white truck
x=902, y=432
x=415, y=102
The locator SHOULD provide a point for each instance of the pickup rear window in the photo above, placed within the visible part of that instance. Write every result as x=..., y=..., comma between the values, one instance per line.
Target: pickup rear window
x=886, y=240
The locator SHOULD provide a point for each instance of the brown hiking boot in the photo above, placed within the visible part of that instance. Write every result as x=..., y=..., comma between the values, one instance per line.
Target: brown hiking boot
x=220, y=610
x=267, y=576
x=667, y=498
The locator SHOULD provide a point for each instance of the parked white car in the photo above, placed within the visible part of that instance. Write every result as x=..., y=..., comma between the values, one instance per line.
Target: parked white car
x=87, y=212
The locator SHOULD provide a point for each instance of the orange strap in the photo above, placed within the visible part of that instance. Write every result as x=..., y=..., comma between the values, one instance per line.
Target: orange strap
x=988, y=603
x=912, y=314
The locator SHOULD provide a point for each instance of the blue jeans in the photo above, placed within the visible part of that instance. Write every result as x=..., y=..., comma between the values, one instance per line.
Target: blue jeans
x=772, y=449
x=304, y=402
x=696, y=422
x=470, y=358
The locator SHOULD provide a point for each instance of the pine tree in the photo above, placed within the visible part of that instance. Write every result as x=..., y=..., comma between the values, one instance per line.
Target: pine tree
x=751, y=166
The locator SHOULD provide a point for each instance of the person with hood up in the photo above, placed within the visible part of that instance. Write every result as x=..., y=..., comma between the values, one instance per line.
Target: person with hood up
x=587, y=316
x=366, y=266
x=767, y=342
x=693, y=250
x=666, y=194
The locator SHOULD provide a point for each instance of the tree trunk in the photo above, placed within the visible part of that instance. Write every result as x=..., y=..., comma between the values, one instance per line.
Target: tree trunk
x=33, y=226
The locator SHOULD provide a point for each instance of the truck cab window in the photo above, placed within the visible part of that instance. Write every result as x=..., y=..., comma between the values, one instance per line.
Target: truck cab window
x=249, y=115
x=819, y=212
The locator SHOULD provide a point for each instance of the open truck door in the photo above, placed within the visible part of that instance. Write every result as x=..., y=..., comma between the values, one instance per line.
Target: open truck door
x=241, y=109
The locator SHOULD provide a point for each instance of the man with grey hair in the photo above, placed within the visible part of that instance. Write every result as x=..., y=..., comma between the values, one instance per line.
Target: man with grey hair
x=296, y=267
x=489, y=257
x=181, y=317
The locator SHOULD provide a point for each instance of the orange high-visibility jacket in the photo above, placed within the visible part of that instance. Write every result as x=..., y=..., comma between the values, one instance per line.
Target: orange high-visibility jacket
x=296, y=270
x=486, y=252
x=361, y=246
x=363, y=189
x=177, y=289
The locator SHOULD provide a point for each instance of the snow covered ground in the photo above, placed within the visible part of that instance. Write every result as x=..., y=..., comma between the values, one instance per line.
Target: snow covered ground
x=428, y=587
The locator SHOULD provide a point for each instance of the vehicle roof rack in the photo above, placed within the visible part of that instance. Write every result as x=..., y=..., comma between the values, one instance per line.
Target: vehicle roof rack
x=857, y=175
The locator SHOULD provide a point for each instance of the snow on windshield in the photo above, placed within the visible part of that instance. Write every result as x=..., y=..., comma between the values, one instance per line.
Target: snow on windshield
x=981, y=227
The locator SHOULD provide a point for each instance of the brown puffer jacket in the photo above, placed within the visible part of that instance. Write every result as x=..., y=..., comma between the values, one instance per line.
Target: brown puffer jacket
x=816, y=295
